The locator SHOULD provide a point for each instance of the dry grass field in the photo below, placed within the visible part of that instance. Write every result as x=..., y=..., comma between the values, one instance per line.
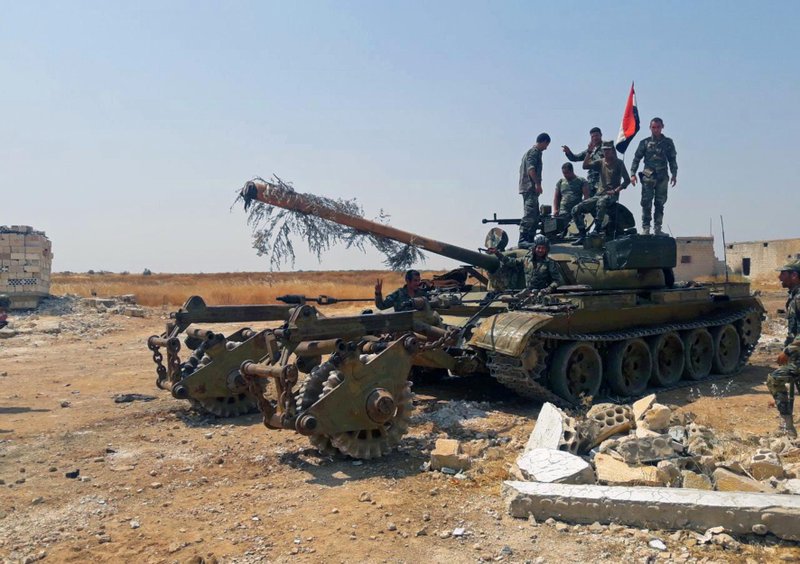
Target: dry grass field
x=227, y=288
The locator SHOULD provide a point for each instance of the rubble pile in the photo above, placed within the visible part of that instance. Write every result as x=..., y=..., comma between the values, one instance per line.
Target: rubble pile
x=646, y=465
x=647, y=444
x=73, y=315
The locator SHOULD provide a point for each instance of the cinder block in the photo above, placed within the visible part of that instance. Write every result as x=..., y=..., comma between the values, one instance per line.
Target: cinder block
x=668, y=508
x=447, y=454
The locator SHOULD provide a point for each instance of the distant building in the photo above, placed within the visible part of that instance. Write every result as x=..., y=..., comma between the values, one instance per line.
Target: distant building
x=759, y=259
x=25, y=260
x=696, y=258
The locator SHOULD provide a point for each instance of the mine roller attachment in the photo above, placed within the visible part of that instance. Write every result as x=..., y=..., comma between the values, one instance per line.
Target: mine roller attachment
x=355, y=403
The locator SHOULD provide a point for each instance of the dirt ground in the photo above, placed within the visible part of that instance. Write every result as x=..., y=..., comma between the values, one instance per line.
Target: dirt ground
x=159, y=483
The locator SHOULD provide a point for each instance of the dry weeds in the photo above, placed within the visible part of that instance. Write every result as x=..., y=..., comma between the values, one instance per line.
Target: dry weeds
x=227, y=288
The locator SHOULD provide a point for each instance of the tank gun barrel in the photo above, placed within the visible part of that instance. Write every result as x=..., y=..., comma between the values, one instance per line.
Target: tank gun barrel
x=270, y=194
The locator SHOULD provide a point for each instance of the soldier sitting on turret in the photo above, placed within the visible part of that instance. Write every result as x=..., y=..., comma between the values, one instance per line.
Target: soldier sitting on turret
x=541, y=272
x=401, y=299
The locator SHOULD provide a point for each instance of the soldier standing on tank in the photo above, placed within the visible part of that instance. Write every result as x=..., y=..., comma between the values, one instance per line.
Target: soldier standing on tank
x=570, y=190
x=401, y=299
x=530, y=186
x=780, y=381
x=613, y=179
x=596, y=151
x=541, y=272
x=659, y=153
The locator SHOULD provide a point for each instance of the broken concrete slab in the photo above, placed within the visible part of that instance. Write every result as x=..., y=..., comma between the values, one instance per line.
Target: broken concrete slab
x=727, y=481
x=668, y=508
x=447, y=454
x=696, y=481
x=7, y=333
x=765, y=464
x=558, y=466
x=553, y=430
x=616, y=472
x=642, y=405
x=673, y=473
x=791, y=486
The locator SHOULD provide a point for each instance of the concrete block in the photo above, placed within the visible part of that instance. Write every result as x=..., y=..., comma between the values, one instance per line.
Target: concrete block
x=605, y=420
x=549, y=465
x=447, y=454
x=727, y=481
x=553, y=430
x=653, y=508
x=657, y=417
x=616, y=472
x=641, y=406
x=696, y=481
x=7, y=333
x=765, y=464
x=649, y=449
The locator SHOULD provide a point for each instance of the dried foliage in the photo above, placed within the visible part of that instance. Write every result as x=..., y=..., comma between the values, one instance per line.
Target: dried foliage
x=274, y=229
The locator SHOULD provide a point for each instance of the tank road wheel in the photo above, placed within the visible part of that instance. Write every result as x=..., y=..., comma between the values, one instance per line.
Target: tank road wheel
x=750, y=328
x=668, y=358
x=577, y=371
x=727, y=349
x=699, y=350
x=374, y=443
x=628, y=367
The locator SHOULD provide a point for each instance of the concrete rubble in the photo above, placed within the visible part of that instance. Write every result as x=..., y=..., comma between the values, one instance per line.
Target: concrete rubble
x=667, y=508
x=447, y=454
x=621, y=459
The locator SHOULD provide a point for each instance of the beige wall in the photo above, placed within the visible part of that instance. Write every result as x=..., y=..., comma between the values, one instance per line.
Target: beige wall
x=696, y=258
x=764, y=256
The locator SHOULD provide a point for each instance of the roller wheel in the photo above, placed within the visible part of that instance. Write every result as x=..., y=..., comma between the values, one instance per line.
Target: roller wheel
x=629, y=367
x=668, y=359
x=750, y=328
x=698, y=346
x=727, y=349
x=576, y=372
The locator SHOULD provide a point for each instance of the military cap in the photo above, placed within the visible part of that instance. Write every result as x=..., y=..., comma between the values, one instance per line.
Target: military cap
x=791, y=266
x=608, y=145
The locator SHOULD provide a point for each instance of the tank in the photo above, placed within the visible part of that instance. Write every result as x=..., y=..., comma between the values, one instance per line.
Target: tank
x=619, y=326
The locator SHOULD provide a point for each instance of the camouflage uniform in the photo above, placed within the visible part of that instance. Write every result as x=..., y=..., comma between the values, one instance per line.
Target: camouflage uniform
x=539, y=273
x=571, y=193
x=399, y=299
x=531, y=160
x=658, y=155
x=778, y=381
x=592, y=176
x=611, y=176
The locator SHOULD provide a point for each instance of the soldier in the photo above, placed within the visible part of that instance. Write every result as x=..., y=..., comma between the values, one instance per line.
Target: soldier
x=4, y=304
x=596, y=151
x=541, y=272
x=613, y=179
x=402, y=298
x=570, y=190
x=658, y=152
x=780, y=381
x=530, y=186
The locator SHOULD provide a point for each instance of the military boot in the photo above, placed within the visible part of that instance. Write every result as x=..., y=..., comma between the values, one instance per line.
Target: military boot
x=645, y=230
x=581, y=238
x=657, y=230
x=787, y=427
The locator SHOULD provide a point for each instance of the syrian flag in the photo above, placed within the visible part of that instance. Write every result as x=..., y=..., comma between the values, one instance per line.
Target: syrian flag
x=630, y=123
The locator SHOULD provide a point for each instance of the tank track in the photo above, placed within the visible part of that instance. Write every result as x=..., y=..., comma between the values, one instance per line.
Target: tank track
x=509, y=372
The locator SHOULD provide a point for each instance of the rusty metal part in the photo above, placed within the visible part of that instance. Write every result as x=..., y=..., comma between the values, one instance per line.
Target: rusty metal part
x=381, y=406
x=317, y=348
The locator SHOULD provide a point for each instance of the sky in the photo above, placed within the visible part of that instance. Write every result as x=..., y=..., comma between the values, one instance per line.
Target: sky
x=128, y=127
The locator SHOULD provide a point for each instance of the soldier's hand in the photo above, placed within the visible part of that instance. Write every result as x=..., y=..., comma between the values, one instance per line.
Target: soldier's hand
x=492, y=251
x=539, y=189
x=673, y=181
x=566, y=149
x=783, y=359
x=378, y=286
x=633, y=179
